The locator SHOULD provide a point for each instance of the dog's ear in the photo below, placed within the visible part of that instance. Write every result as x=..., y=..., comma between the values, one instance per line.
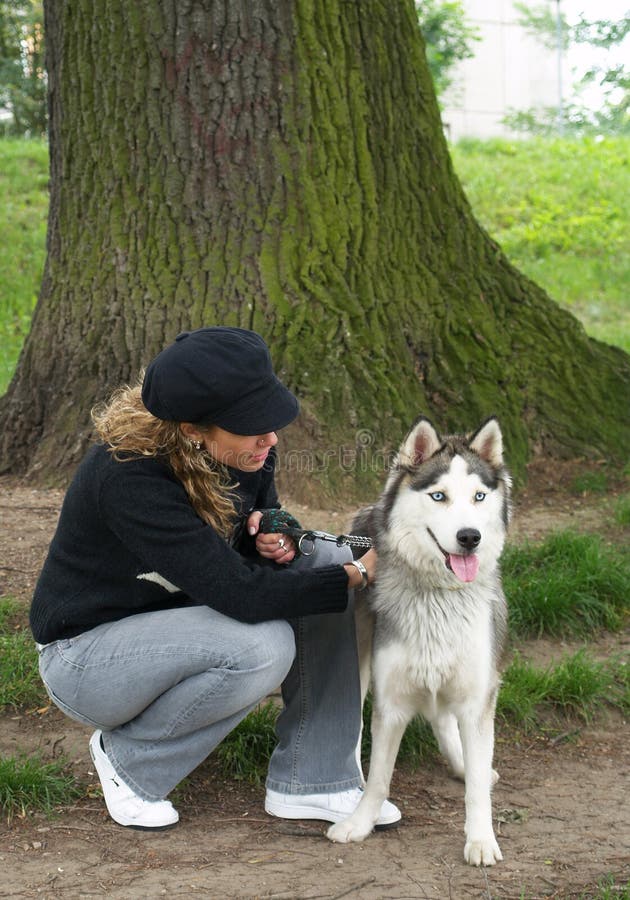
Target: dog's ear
x=487, y=442
x=421, y=443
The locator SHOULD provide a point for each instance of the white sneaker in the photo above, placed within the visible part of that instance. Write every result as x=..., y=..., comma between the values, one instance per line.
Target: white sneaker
x=123, y=804
x=328, y=807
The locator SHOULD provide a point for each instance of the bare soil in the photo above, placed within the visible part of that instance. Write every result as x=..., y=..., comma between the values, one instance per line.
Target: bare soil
x=562, y=805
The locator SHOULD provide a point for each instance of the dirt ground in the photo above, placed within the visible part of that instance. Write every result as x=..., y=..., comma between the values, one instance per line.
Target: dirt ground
x=562, y=805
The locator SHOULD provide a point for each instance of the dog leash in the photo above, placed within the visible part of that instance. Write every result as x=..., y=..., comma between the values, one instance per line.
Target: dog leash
x=278, y=521
x=351, y=540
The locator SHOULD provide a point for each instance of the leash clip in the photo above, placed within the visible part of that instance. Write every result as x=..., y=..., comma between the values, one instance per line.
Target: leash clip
x=341, y=540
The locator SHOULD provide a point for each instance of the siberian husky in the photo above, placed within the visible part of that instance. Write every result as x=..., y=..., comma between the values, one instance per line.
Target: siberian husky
x=434, y=623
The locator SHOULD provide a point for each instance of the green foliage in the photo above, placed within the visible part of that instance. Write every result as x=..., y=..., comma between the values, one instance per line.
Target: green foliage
x=622, y=510
x=608, y=888
x=22, y=74
x=448, y=38
x=559, y=209
x=245, y=753
x=10, y=609
x=522, y=692
x=418, y=745
x=28, y=784
x=23, y=213
x=590, y=483
x=569, y=585
x=577, y=686
x=20, y=684
x=542, y=22
x=578, y=118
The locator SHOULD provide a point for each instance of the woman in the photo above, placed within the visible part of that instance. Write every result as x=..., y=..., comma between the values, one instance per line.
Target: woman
x=161, y=621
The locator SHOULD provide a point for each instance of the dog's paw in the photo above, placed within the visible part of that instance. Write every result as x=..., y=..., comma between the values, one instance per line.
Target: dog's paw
x=482, y=853
x=347, y=831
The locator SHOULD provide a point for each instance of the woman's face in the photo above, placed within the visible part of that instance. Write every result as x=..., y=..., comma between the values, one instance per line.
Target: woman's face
x=245, y=452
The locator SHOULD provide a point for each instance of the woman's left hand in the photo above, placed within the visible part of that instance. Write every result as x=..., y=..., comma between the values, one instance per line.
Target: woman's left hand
x=278, y=547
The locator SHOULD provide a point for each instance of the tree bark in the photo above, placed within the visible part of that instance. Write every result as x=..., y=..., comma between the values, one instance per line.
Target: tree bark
x=281, y=166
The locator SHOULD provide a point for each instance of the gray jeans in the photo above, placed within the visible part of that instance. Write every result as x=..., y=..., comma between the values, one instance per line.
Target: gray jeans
x=166, y=687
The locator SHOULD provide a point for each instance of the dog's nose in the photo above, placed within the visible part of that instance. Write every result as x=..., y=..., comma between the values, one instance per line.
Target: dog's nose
x=468, y=538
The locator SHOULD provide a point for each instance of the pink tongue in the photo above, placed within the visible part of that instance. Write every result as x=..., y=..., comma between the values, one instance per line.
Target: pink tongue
x=465, y=567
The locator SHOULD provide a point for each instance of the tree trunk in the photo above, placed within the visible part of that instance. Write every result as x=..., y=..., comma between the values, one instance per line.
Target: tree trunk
x=281, y=166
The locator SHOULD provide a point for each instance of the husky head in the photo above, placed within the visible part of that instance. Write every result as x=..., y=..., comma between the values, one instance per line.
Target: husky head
x=446, y=504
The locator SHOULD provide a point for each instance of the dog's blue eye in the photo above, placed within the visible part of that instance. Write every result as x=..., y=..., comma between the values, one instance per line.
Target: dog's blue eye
x=438, y=496
x=479, y=496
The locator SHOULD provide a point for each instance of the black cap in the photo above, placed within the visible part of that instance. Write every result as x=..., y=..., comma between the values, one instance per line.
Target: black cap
x=220, y=376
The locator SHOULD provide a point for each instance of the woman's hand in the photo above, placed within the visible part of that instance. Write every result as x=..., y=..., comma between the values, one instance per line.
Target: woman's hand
x=278, y=547
x=369, y=560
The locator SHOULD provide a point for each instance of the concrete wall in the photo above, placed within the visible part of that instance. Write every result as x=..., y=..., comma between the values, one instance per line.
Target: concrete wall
x=510, y=70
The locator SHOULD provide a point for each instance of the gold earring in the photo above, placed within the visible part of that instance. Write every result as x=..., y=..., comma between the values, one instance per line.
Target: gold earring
x=197, y=445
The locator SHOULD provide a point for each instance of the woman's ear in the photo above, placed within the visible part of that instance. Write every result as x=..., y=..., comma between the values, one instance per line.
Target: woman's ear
x=190, y=430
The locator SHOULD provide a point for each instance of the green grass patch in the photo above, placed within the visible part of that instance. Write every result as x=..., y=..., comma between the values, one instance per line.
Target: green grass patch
x=622, y=510
x=20, y=684
x=23, y=215
x=28, y=784
x=418, y=744
x=245, y=753
x=608, y=888
x=577, y=687
x=559, y=209
x=570, y=585
x=590, y=483
x=11, y=612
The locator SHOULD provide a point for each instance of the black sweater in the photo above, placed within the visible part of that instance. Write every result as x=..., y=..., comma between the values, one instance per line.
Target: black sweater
x=122, y=521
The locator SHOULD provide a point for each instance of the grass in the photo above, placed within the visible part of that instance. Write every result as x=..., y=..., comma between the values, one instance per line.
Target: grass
x=608, y=888
x=11, y=610
x=570, y=585
x=418, y=745
x=244, y=754
x=23, y=214
x=622, y=510
x=576, y=687
x=20, y=684
x=590, y=483
x=29, y=783
x=559, y=209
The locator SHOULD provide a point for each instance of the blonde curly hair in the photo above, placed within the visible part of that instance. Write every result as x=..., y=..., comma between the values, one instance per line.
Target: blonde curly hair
x=128, y=428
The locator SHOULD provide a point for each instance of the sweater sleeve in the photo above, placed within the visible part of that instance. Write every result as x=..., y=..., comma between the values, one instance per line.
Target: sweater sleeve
x=149, y=511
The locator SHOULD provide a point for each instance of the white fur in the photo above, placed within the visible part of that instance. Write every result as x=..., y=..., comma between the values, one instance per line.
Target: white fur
x=435, y=638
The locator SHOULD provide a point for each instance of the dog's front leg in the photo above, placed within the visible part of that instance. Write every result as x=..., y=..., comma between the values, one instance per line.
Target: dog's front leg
x=387, y=732
x=477, y=732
